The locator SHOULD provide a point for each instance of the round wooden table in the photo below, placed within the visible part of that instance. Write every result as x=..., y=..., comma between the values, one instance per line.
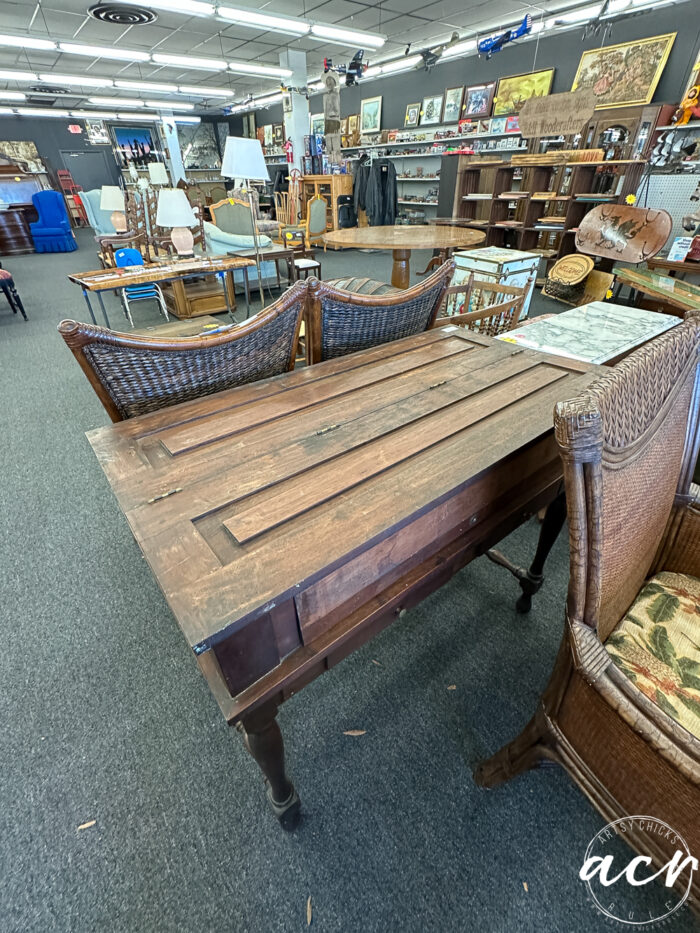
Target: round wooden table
x=402, y=239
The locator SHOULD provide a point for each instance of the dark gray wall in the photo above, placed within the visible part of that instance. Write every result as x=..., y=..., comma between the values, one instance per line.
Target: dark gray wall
x=50, y=136
x=561, y=52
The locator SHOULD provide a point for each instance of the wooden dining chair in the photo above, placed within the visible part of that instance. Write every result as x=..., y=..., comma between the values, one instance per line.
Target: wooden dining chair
x=340, y=322
x=134, y=374
x=491, y=315
x=621, y=712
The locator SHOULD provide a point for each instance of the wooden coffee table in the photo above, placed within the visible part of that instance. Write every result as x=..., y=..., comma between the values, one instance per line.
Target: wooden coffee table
x=402, y=239
x=290, y=520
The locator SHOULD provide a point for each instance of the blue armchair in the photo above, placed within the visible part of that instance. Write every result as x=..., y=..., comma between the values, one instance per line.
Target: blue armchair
x=99, y=219
x=51, y=232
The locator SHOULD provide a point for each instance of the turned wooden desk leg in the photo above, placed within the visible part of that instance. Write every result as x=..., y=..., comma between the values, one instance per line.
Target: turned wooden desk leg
x=401, y=273
x=263, y=740
x=532, y=579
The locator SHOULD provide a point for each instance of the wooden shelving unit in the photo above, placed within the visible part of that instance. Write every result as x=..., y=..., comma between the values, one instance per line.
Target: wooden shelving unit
x=509, y=202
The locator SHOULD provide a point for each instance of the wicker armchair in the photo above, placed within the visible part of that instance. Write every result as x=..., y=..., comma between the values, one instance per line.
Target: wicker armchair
x=622, y=709
x=491, y=315
x=340, y=322
x=133, y=374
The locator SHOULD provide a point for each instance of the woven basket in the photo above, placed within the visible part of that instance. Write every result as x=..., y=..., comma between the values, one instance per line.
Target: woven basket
x=566, y=279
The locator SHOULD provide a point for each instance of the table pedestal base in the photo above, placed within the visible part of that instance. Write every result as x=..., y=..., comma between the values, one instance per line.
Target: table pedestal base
x=401, y=273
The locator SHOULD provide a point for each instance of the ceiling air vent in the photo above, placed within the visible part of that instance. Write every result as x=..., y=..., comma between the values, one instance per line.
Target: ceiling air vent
x=48, y=89
x=119, y=14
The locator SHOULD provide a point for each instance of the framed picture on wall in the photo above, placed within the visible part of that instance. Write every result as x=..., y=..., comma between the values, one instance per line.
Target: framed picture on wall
x=431, y=111
x=135, y=144
x=318, y=124
x=497, y=125
x=344, y=126
x=278, y=135
x=267, y=134
x=512, y=92
x=625, y=74
x=412, y=114
x=478, y=100
x=371, y=115
x=452, y=109
x=353, y=122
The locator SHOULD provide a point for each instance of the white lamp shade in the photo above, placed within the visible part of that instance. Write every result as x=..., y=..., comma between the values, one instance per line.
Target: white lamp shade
x=243, y=158
x=158, y=173
x=174, y=210
x=112, y=198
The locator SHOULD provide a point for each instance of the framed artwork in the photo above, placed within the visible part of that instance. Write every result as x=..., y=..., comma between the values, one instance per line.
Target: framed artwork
x=469, y=127
x=267, y=134
x=512, y=125
x=371, y=115
x=512, y=92
x=318, y=124
x=353, y=122
x=431, y=111
x=497, y=125
x=344, y=126
x=452, y=109
x=135, y=144
x=625, y=74
x=412, y=114
x=24, y=154
x=278, y=135
x=478, y=100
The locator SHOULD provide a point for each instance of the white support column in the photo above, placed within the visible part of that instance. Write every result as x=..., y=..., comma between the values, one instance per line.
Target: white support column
x=296, y=123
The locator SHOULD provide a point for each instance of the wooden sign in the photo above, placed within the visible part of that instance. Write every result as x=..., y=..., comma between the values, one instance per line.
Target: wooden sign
x=557, y=114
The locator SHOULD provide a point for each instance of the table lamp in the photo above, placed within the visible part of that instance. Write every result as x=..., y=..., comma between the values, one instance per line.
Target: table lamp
x=112, y=199
x=243, y=158
x=158, y=173
x=174, y=210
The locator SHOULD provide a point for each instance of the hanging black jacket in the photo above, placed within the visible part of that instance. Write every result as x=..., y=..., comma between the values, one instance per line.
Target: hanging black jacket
x=382, y=193
x=359, y=190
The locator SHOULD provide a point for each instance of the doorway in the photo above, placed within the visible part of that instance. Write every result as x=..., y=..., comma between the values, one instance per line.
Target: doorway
x=89, y=168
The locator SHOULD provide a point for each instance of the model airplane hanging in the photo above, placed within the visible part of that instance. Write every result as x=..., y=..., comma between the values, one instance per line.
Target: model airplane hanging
x=431, y=56
x=493, y=44
x=353, y=71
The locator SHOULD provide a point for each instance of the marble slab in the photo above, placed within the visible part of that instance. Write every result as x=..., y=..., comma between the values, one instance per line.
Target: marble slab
x=595, y=332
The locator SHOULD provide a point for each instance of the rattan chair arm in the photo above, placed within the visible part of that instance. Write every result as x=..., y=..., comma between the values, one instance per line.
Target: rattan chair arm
x=669, y=739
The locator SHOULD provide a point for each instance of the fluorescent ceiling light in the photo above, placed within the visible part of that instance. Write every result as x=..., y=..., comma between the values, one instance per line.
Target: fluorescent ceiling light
x=582, y=15
x=267, y=100
x=374, y=71
x=347, y=36
x=93, y=115
x=252, y=68
x=254, y=19
x=147, y=86
x=27, y=42
x=186, y=61
x=100, y=51
x=204, y=91
x=80, y=80
x=193, y=7
x=12, y=95
x=111, y=101
x=150, y=117
x=169, y=105
x=18, y=76
x=401, y=64
x=461, y=48
x=7, y=110
x=40, y=112
x=182, y=119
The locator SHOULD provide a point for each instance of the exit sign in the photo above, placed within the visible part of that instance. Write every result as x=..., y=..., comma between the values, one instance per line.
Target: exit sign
x=74, y=128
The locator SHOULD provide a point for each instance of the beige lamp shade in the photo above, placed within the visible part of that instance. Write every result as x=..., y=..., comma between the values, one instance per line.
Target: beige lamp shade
x=243, y=158
x=111, y=198
x=158, y=173
x=174, y=210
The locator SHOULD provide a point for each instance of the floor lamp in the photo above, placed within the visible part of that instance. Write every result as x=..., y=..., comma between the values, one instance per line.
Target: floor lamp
x=243, y=158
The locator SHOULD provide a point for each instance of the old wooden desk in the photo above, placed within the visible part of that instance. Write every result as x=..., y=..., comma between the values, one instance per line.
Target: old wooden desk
x=402, y=239
x=289, y=521
x=680, y=296
x=176, y=271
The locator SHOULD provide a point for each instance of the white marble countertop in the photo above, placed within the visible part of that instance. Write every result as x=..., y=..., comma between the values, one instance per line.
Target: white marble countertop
x=594, y=332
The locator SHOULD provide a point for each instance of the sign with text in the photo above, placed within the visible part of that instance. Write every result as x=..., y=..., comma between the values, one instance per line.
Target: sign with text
x=557, y=114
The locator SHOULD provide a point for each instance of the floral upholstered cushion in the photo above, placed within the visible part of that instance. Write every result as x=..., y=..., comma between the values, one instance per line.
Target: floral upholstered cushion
x=657, y=645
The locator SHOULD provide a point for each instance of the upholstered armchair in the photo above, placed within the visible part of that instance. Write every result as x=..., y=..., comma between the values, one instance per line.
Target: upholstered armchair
x=264, y=224
x=621, y=712
x=338, y=322
x=52, y=231
x=133, y=374
x=98, y=219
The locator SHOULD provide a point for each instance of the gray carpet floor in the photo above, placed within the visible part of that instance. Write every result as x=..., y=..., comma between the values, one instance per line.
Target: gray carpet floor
x=106, y=718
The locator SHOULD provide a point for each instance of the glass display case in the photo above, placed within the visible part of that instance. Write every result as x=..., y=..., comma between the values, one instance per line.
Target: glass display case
x=18, y=187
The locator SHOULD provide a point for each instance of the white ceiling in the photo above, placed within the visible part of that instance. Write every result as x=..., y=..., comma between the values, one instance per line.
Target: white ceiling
x=402, y=21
